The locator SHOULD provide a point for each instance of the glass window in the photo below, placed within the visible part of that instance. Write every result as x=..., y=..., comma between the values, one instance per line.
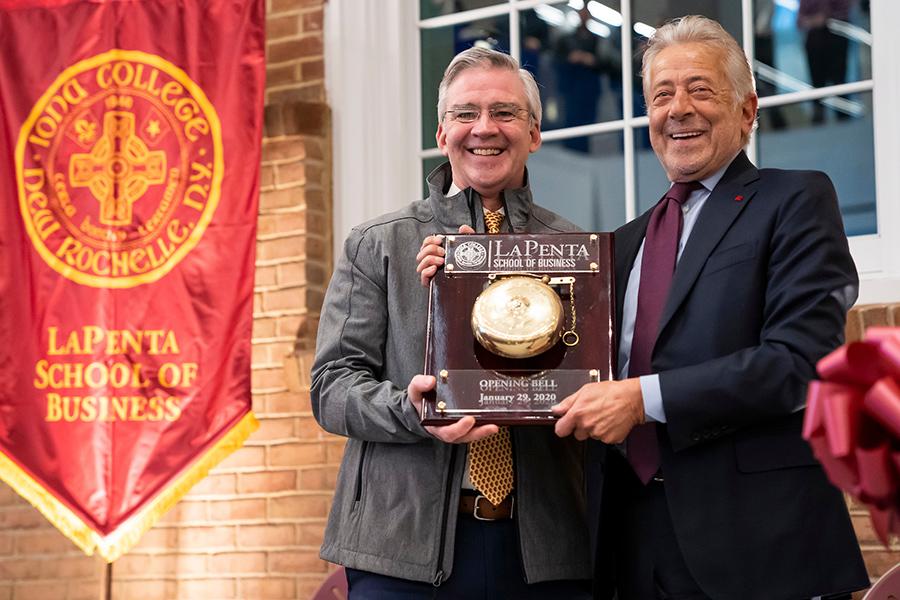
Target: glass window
x=437, y=8
x=582, y=179
x=808, y=43
x=801, y=144
x=574, y=48
x=575, y=55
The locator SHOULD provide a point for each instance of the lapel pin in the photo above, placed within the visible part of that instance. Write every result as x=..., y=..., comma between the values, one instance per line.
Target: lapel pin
x=738, y=198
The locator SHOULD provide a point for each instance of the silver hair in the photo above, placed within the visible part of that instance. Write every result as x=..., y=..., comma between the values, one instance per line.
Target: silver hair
x=485, y=58
x=698, y=29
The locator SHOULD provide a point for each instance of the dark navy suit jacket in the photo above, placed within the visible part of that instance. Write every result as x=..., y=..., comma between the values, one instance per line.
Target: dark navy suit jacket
x=759, y=295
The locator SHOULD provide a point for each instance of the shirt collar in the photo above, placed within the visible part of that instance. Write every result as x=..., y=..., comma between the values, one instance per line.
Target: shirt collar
x=712, y=181
x=454, y=190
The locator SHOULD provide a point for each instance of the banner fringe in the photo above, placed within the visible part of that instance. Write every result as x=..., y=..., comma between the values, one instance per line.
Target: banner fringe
x=59, y=515
x=120, y=541
x=129, y=533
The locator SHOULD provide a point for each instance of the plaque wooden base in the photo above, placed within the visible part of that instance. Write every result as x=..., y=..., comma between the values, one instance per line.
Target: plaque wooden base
x=518, y=391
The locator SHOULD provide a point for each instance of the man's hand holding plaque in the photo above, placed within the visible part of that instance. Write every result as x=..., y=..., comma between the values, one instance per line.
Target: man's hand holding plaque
x=462, y=431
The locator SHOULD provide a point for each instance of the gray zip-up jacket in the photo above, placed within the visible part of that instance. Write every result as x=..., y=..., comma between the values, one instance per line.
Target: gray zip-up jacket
x=395, y=505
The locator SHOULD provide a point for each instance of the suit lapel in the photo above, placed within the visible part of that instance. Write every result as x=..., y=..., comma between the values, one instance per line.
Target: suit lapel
x=719, y=212
x=627, y=241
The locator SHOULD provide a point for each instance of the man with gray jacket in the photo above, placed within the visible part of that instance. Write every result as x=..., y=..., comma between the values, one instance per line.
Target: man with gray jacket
x=408, y=519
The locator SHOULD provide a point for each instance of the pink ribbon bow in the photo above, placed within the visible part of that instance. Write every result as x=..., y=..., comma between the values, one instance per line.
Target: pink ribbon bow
x=852, y=423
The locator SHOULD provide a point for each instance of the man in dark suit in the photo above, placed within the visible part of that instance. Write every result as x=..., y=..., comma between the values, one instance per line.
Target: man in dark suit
x=706, y=489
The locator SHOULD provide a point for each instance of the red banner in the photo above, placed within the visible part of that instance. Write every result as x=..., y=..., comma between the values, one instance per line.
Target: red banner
x=130, y=183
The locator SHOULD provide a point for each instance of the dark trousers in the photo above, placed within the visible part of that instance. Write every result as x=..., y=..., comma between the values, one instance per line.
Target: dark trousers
x=487, y=565
x=649, y=564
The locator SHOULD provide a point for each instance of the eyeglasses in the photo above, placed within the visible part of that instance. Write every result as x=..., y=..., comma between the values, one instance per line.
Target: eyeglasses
x=505, y=113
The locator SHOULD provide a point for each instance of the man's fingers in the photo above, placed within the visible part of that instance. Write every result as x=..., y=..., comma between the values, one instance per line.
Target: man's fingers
x=466, y=229
x=429, y=258
x=433, y=240
x=429, y=261
x=461, y=432
x=427, y=267
x=454, y=432
x=578, y=411
x=566, y=423
x=426, y=275
x=565, y=426
x=480, y=432
x=418, y=385
x=430, y=250
x=564, y=405
x=423, y=383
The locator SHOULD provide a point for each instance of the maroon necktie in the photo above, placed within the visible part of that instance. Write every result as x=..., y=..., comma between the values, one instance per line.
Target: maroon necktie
x=657, y=268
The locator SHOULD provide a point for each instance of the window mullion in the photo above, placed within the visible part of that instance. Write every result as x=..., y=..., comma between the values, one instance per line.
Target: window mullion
x=747, y=27
x=515, y=49
x=628, y=112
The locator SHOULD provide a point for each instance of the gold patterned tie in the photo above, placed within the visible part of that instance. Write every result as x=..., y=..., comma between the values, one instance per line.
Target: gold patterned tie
x=492, y=220
x=490, y=459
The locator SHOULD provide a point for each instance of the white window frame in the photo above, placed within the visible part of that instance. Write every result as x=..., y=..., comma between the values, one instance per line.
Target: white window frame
x=878, y=256
x=373, y=84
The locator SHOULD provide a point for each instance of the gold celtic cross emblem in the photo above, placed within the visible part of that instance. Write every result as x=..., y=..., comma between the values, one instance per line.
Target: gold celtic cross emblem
x=118, y=169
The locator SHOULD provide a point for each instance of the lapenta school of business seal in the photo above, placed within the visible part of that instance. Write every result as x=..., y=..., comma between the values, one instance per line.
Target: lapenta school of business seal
x=470, y=255
x=119, y=168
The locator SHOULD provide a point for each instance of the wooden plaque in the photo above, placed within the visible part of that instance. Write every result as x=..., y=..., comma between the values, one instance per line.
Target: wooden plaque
x=472, y=380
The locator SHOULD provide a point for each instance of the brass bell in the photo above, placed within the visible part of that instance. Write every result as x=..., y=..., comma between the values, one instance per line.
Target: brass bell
x=517, y=317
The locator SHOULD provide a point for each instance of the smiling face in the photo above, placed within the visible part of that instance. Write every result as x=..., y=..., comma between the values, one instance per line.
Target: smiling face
x=487, y=155
x=696, y=126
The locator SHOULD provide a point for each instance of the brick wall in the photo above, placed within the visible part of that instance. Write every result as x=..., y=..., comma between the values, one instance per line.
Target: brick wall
x=252, y=529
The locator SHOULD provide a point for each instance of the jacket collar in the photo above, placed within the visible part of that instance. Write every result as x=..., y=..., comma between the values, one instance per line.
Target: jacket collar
x=453, y=211
x=720, y=210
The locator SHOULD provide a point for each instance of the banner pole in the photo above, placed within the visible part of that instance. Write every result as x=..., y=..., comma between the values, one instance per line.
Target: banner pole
x=109, y=574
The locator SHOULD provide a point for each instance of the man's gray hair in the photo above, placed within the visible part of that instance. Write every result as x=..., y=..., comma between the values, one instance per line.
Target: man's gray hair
x=702, y=30
x=484, y=58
